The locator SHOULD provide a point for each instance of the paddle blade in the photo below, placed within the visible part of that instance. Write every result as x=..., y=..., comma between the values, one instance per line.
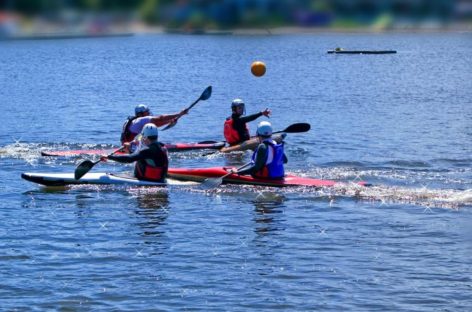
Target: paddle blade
x=83, y=168
x=298, y=127
x=211, y=183
x=206, y=94
x=209, y=142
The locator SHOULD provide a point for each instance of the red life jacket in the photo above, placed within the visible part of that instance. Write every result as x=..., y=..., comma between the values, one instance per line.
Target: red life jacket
x=231, y=135
x=155, y=168
x=126, y=134
x=150, y=173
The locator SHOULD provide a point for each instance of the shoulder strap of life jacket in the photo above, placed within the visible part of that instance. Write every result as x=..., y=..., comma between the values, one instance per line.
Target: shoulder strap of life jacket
x=126, y=135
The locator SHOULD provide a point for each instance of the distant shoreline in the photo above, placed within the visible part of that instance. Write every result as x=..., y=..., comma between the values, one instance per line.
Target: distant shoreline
x=145, y=30
x=298, y=30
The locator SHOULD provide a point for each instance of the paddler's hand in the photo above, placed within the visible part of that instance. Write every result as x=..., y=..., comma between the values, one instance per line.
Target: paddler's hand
x=127, y=147
x=233, y=171
x=183, y=112
x=266, y=112
x=104, y=158
x=173, y=121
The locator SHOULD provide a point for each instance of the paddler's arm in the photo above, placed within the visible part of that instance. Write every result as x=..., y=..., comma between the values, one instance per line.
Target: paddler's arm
x=253, y=117
x=163, y=120
x=128, y=158
x=259, y=162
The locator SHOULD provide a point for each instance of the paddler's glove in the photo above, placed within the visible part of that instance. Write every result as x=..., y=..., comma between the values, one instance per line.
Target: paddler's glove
x=266, y=112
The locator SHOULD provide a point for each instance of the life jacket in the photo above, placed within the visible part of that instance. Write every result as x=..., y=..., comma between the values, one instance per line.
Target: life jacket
x=274, y=167
x=231, y=135
x=126, y=134
x=155, y=168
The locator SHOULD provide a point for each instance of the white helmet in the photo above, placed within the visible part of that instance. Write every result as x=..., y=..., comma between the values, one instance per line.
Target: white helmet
x=141, y=108
x=150, y=131
x=236, y=103
x=264, y=128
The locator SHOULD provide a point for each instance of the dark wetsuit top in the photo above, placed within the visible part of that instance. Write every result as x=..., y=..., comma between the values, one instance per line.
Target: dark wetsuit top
x=155, y=153
x=239, y=124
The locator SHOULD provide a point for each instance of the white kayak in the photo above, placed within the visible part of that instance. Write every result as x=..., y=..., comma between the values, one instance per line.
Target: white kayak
x=62, y=179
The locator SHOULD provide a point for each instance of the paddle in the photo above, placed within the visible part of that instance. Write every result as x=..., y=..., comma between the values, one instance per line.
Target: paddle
x=215, y=182
x=205, y=96
x=87, y=165
x=296, y=128
x=293, y=128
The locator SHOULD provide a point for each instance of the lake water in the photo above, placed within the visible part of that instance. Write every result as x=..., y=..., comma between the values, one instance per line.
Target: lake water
x=401, y=122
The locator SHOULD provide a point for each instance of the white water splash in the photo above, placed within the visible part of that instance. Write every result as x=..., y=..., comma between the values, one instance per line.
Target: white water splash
x=441, y=198
x=379, y=195
x=384, y=192
x=29, y=152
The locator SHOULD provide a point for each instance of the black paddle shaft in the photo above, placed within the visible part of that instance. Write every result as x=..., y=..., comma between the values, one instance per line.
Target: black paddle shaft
x=204, y=96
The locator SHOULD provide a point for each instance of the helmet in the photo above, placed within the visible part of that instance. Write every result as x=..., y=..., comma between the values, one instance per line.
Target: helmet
x=264, y=128
x=150, y=131
x=237, y=103
x=141, y=108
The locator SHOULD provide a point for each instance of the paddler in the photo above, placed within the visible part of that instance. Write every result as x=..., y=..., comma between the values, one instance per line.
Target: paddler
x=134, y=125
x=151, y=159
x=269, y=158
x=236, y=130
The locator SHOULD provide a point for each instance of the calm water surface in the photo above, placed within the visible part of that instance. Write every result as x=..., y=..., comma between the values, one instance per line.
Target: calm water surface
x=401, y=122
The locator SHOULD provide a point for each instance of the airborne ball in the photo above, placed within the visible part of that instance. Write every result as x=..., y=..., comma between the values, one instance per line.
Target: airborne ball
x=258, y=68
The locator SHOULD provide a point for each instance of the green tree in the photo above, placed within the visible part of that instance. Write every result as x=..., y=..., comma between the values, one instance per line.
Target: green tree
x=149, y=11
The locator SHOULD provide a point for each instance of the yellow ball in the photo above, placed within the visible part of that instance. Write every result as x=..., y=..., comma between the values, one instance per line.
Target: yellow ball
x=258, y=68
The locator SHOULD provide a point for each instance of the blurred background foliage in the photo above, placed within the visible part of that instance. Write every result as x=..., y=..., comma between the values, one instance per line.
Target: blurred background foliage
x=229, y=14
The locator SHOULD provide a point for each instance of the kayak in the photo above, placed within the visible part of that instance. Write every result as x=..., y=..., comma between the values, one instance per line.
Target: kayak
x=251, y=144
x=62, y=179
x=200, y=174
x=177, y=147
x=176, y=176
x=362, y=52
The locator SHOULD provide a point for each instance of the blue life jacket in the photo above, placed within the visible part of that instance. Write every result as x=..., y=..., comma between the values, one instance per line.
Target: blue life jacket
x=274, y=167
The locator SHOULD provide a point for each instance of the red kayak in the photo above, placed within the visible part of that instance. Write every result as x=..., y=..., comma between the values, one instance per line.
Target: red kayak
x=200, y=174
x=177, y=147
